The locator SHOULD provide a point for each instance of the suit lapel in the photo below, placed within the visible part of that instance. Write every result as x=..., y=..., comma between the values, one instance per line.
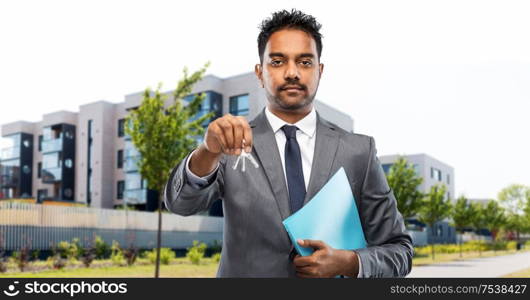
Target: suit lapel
x=266, y=148
x=267, y=153
x=326, y=145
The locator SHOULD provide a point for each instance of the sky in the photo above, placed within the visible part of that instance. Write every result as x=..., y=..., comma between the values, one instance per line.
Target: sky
x=447, y=78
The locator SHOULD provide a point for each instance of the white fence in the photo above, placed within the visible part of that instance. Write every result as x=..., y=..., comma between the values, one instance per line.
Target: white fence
x=40, y=226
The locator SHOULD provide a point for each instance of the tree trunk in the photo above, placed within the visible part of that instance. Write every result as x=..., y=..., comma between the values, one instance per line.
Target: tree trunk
x=460, y=244
x=158, y=236
x=432, y=251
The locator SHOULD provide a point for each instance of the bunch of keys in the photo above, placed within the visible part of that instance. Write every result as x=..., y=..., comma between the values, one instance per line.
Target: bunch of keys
x=243, y=157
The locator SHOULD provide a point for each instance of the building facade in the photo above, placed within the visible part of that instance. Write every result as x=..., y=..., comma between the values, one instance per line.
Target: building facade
x=86, y=157
x=432, y=171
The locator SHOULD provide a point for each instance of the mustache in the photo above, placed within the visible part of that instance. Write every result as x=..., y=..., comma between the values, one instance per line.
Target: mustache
x=292, y=84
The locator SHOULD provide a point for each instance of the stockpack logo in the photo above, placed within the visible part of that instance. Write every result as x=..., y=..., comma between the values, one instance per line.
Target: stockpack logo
x=12, y=290
x=65, y=288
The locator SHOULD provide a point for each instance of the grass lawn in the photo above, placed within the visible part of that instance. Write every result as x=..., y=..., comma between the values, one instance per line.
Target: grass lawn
x=441, y=257
x=523, y=273
x=181, y=267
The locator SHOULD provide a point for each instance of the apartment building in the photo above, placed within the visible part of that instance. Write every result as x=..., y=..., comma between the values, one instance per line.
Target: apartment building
x=86, y=157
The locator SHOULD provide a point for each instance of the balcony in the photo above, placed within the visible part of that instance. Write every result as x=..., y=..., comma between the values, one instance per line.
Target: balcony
x=8, y=181
x=138, y=196
x=54, y=145
x=10, y=153
x=50, y=175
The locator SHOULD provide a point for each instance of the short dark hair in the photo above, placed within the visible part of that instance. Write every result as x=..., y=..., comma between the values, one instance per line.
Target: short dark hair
x=293, y=19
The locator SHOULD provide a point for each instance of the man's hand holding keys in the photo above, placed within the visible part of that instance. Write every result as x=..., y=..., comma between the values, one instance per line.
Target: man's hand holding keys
x=230, y=135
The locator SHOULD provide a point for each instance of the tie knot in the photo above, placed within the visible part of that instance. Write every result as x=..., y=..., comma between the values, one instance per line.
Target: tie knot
x=290, y=131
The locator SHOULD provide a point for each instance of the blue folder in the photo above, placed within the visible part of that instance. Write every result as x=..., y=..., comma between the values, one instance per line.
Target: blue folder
x=331, y=216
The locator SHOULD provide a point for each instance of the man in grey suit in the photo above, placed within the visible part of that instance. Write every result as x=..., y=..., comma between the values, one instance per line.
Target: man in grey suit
x=297, y=152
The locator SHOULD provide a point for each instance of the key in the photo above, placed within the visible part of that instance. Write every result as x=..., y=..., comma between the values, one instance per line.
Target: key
x=243, y=157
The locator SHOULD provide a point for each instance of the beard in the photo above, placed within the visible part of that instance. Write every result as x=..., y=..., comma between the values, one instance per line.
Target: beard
x=279, y=99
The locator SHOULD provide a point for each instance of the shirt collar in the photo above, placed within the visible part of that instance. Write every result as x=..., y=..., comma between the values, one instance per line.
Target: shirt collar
x=307, y=125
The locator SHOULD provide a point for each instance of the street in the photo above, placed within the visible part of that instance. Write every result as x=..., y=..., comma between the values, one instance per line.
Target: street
x=476, y=267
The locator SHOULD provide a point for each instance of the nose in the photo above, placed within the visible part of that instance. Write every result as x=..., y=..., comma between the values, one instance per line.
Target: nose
x=291, y=73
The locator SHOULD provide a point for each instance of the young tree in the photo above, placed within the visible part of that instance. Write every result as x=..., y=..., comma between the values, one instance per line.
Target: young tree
x=435, y=208
x=515, y=198
x=404, y=182
x=165, y=135
x=478, y=221
x=494, y=219
x=461, y=215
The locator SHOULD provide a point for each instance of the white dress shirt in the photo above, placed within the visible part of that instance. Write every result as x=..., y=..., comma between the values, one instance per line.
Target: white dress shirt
x=305, y=137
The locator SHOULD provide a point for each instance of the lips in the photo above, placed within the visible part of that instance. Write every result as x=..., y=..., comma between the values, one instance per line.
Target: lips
x=292, y=88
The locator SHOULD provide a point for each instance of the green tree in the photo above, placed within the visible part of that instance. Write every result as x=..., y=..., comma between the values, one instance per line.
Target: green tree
x=515, y=199
x=478, y=220
x=461, y=217
x=164, y=135
x=404, y=182
x=435, y=208
x=494, y=218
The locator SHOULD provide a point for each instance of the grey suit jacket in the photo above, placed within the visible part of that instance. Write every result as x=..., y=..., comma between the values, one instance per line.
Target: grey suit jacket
x=255, y=243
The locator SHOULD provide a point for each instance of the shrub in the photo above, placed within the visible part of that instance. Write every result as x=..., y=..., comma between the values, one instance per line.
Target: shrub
x=215, y=247
x=474, y=245
x=3, y=262
x=62, y=249
x=130, y=254
x=57, y=262
x=196, y=252
x=102, y=248
x=88, y=255
x=216, y=257
x=166, y=256
x=511, y=245
x=22, y=258
x=116, y=255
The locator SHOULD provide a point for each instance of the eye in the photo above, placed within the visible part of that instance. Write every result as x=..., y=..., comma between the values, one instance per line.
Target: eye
x=276, y=62
x=306, y=63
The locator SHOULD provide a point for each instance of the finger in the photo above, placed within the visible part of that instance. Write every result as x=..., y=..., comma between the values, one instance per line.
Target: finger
x=219, y=136
x=228, y=133
x=315, y=244
x=238, y=134
x=302, y=261
x=247, y=134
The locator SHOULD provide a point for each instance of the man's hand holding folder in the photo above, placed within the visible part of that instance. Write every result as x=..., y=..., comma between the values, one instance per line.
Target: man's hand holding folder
x=326, y=231
x=325, y=261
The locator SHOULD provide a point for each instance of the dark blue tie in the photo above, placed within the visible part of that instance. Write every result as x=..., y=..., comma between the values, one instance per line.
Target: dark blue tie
x=293, y=169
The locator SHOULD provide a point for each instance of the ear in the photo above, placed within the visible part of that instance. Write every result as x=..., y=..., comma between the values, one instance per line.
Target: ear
x=259, y=73
x=321, y=68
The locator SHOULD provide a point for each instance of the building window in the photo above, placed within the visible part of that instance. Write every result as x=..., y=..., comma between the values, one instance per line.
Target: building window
x=436, y=174
x=40, y=143
x=386, y=168
x=448, y=181
x=121, y=127
x=120, y=189
x=39, y=169
x=239, y=105
x=120, y=159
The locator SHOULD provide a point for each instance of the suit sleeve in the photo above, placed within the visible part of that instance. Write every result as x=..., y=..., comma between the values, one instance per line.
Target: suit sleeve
x=389, y=247
x=186, y=198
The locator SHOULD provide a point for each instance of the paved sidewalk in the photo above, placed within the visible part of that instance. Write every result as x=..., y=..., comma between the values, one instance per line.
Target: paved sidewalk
x=477, y=267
